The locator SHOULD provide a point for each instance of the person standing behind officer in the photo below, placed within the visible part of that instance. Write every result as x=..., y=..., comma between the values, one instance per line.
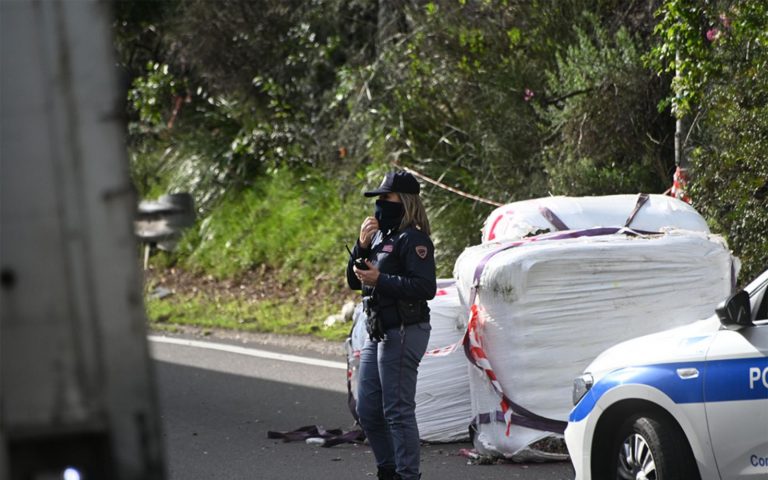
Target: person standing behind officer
x=393, y=262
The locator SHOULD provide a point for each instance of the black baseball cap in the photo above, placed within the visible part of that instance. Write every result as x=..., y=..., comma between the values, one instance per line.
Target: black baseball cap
x=399, y=182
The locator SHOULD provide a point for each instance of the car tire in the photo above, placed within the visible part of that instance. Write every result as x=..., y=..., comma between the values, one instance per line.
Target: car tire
x=653, y=445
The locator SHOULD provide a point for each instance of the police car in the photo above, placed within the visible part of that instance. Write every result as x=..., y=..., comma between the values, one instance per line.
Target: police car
x=686, y=403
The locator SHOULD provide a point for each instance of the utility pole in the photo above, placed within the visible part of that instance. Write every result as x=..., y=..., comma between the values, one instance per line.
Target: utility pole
x=680, y=177
x=680, y=158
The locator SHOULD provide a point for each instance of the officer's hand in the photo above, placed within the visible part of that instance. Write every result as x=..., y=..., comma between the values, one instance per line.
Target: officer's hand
x=367, y=231
x=367, y=277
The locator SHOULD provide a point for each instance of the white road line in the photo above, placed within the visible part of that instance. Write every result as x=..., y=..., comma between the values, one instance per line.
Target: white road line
x=252, y=352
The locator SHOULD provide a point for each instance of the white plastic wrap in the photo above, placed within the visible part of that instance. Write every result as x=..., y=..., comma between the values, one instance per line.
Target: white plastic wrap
x=443, y=407
x=353, y=346
x=551, y=306
x=519, y=219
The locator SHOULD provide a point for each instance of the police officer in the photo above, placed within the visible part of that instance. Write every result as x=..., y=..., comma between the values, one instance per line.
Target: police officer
x=394, y=265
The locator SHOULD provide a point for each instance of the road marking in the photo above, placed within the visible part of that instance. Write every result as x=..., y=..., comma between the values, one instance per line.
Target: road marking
x=251, y=352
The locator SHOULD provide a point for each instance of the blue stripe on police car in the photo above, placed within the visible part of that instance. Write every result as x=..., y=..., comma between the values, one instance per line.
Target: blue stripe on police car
x=720, y=381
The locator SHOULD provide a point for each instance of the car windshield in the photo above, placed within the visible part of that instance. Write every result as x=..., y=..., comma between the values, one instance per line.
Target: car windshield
x=758, y=290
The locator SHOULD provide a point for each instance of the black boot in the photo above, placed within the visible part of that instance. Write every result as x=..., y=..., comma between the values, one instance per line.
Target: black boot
x=387, y=473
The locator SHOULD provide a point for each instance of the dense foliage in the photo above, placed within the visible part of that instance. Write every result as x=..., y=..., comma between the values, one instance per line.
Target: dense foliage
x=308, y=102
x=721, y=50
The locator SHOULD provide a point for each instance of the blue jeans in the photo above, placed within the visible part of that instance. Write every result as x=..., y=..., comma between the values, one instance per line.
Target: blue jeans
x=386, y=397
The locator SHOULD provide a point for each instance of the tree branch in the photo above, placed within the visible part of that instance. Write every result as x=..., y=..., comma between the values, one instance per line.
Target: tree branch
x=556, y=100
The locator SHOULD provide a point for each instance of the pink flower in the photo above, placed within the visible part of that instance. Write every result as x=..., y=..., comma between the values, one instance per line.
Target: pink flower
x=713, y=34
x=528, y=95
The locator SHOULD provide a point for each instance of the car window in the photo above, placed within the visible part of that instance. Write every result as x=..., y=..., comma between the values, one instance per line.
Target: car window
x=761, y=315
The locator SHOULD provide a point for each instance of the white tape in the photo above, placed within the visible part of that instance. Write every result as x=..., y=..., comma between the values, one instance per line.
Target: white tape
x=251, y=352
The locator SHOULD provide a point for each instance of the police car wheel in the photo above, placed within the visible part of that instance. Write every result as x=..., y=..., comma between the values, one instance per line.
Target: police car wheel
x=650, y=447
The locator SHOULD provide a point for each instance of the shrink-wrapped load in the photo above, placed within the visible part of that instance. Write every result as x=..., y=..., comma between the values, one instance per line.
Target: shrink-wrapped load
x=545, y=307
x=654, y=212
x=443, y=410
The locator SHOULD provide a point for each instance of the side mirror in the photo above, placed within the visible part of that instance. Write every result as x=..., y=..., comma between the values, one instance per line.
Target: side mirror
x=735, y=311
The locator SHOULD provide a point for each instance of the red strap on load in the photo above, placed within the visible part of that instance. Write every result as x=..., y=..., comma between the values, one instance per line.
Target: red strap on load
x=492, y=231
x=680, y=185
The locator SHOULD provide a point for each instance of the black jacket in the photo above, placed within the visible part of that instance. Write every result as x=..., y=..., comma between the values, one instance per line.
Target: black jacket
x=406, y=260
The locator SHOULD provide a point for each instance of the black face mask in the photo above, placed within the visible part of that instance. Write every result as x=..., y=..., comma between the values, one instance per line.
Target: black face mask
x=389, y=214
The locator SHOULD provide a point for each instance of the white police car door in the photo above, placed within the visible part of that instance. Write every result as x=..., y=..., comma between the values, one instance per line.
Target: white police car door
x=736, y=396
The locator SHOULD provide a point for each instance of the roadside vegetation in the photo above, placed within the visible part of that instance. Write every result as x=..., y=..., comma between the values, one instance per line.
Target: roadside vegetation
x=270, y=258
x=251, y=302
x=276, y=115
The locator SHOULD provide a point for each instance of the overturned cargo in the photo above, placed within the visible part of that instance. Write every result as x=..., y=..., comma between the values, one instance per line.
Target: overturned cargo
x=543, y=307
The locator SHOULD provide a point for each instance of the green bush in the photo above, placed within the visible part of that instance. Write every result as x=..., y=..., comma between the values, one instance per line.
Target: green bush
x=608, y=136
x=720, y=51
x=729, y=161
x=295, y=224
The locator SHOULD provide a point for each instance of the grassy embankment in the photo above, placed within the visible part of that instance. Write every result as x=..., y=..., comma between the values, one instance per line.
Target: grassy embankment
x=267, y=259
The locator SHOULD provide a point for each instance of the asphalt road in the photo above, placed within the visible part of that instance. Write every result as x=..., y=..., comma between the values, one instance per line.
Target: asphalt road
x=217, y=407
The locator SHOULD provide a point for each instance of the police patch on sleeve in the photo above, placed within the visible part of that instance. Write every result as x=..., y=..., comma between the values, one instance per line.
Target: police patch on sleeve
x=422, y=251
